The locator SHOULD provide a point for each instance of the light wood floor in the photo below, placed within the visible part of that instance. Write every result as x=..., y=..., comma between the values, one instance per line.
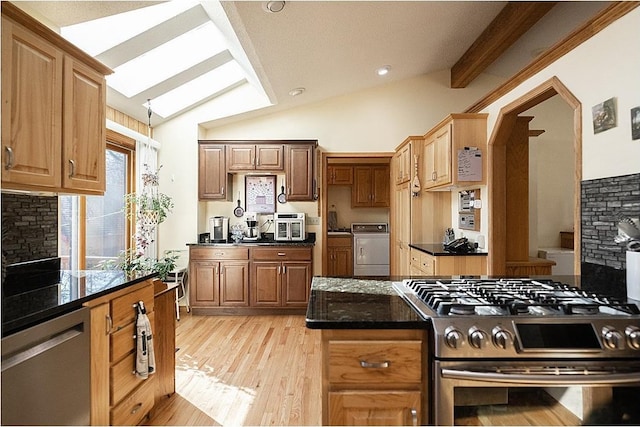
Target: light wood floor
x=244, y=370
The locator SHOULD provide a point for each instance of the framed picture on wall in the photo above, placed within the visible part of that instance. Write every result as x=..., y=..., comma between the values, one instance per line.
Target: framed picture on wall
x=260, y=193
x=635, y=123
x=604, y=115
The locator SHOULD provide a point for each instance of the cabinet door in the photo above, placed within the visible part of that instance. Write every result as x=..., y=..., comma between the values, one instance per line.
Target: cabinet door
x=31, y=109
x=340, y=262
x=380, y=177
x=429, y=170
x=442, y=155
x=362, y=185
x=340, y=175
x=265, y=284
x=374, y=408
x=241, y=157
x=83, y=132
x=296, y=281
x=204, y=285
x=234, y=283
x=269, y=157
x=300, y=172
x=212, y=175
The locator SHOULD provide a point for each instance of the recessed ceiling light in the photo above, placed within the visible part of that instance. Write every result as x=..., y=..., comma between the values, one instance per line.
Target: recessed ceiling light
x=382, y=71
x=297, y=91
x=274, y=6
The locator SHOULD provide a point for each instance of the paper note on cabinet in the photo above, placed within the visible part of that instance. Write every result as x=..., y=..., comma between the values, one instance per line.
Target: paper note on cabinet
x=470, y=164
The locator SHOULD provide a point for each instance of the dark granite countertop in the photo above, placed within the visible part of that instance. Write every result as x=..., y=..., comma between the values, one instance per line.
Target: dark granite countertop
x=345, y=303
x=29, y=301
x=437, y=249
x=266, y=240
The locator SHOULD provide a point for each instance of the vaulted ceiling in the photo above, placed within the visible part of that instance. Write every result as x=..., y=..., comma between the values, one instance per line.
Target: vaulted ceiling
x=333, y=48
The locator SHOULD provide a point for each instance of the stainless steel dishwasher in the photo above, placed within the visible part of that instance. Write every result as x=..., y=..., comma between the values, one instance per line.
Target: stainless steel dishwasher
x=46, y=372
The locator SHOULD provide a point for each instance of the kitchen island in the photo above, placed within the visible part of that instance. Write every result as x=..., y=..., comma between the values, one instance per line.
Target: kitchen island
x=374, y=353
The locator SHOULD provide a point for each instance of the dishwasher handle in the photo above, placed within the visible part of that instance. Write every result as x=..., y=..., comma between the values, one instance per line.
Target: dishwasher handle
x=37, y=349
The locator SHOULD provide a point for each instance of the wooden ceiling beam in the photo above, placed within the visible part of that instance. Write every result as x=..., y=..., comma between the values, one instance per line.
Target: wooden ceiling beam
x=515, y=19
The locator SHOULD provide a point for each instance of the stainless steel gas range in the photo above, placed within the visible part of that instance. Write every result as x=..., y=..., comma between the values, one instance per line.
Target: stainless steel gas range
x=525, y=351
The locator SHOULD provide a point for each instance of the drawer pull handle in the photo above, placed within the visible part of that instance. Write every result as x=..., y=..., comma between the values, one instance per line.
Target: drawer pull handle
x=136, y=408
x=9, y=163
x=375, y=365
x=282, y=254
x=219, y=254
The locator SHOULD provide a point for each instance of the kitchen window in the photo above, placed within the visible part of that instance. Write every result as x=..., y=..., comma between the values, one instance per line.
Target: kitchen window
x=94, y=229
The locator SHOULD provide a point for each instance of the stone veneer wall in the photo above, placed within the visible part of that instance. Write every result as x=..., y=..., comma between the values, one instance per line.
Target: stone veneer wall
x=29, y=227
x=603, y=201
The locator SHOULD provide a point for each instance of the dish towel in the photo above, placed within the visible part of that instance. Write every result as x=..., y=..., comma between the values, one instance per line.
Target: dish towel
x=145, y=358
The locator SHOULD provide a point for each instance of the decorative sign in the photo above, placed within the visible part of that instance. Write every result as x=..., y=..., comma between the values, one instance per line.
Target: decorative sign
x=635, y=123
x=470, y=164
x=260, y=193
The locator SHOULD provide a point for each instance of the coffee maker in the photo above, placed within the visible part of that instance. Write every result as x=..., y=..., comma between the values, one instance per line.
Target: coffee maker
x=253, y=226
x=218, y=229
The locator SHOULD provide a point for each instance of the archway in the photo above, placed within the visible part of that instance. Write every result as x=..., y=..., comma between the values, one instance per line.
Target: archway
x=507, y=124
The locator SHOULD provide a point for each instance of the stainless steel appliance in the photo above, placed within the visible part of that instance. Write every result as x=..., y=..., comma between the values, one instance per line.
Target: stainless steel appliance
x=528, y=351
x=253, y=226
x=218, y=228
x=370, y=249
x=46, y=373
x=290, y=226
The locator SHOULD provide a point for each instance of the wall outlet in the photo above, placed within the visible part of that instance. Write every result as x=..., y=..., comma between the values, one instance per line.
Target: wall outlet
x=313, y=220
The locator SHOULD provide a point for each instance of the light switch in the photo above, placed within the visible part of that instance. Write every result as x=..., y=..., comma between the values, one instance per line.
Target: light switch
x=477, y=204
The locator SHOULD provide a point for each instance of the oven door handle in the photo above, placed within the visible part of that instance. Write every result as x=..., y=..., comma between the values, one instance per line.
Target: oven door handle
x=606, y=378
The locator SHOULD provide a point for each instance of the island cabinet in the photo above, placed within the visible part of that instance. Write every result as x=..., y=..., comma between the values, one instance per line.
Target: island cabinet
x=53, y=110
x=340, y=256
x=118, y=396
x=213, y=180
x=373, y=377
x=280, y=276
x=219, y=277
x=250, y=157
x=454, y=152
x=371, y=186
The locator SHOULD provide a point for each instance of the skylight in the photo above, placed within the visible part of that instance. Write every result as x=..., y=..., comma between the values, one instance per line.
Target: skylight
x=172, y=53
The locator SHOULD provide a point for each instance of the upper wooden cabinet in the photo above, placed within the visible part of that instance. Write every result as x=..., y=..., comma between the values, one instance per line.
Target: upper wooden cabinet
x=249, y=157
x=370, y=186
x=403, y=164
x=454, y=152
x=339, y=175
x=212, y=175
x=300, y=172
x=53, y=110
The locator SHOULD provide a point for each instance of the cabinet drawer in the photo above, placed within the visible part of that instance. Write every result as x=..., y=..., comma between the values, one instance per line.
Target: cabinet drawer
x=123, y=378
x=219, y=253
x=281, y=254
x=357, y=362
x=123, y=341
x=339, y=242
x=123, y=310
x=131, y=410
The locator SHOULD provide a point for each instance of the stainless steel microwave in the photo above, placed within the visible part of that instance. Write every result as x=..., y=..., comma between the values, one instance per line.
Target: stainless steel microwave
x=290, y=226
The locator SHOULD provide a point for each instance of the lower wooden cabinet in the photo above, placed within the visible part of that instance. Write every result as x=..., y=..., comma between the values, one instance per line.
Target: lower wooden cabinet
x=118, y=396
x=222, y=279
x=424, y=264
x=340, y=256
x=280, y=276
x=374, y=377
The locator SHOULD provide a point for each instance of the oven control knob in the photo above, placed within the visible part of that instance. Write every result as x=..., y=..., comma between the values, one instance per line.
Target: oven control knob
x=501, y=338
x=612, y=338
x=453, y=337
x=633, y=337
x=477, y=338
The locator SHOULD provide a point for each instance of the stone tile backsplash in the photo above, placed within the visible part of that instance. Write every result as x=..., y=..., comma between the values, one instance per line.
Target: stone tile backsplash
x=29, y=227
